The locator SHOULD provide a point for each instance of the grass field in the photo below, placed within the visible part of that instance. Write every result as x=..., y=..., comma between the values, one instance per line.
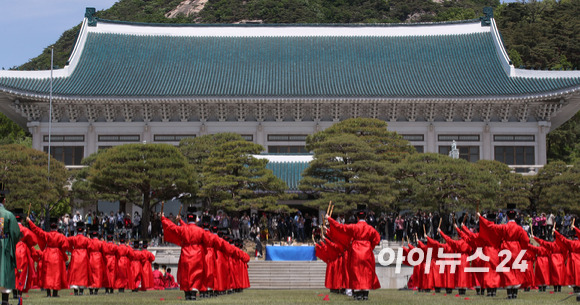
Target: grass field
x=299, y=297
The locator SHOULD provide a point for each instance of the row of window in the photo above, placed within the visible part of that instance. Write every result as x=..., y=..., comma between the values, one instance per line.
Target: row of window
x=283, y=138
x=511, y=155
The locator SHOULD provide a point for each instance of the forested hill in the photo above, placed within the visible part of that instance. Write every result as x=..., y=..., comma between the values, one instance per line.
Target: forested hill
x=537, y=34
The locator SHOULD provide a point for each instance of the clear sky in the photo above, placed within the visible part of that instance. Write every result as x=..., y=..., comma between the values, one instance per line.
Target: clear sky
x=29, y=26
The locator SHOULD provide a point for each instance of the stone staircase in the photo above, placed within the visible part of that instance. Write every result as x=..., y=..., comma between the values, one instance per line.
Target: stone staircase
x=286, y=274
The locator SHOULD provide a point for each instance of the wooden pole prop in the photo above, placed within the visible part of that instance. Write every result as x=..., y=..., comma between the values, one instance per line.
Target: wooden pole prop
x=554, y=228
x=181, y=207
x=331, y=209
x=464, y=216
x=162, y=204
x=440, y=219
x=424, y=231
x=328, y=209
x=29, y=205
x=573, y=221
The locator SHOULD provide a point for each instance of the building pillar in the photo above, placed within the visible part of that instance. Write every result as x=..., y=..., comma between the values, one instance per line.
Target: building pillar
x=260, y=136
x=146, y=136
x=431, y=139
x=486, y=143
x=34, y=129
x=541, y=148
x=91, y=141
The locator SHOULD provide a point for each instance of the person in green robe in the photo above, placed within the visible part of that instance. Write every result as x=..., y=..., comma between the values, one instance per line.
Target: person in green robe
x=9, y=237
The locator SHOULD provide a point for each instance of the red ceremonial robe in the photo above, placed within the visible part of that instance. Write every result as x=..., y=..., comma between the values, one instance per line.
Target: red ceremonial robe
x=170, y=281
x=109, y=251
x=96, y=264
x=210, y=260
x=222, y=278
x=146, y=259
x=462, y=279
x=438, y=277
x=542, y=265
x=512, y=237
x=415, y=279
x=245, y=258
x=54, y=256
x=426, y=281
x=489, y=279
x=158, y=283
x=190, y=272
x=529, y=278
x=78, y=268
x=447, y=277
x=573, y=247
x=25, y=272
x=342, y=241
x=361, y=258
x=137, y=269
x=558, y=256
x=334, y=271
x=321, y=251
x=37, y=257
x=124, y=253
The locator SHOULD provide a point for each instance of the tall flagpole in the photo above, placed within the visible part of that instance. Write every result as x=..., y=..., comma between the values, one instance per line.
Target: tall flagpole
x=50, y=108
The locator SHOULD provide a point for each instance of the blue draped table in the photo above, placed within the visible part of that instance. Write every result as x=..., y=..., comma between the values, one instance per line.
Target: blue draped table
x=290, y=253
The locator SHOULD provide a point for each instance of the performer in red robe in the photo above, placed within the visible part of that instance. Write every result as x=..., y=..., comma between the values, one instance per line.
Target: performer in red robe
x=542, y=267
x=78, y=268
x=463, y=279
x=158, y=283
x=512, y=237
x=25, y=272
x=54, y=258
x=136, y=277
x=340, y=242
x=96, y=264
x=209, y=262
x=427, y=281
x=558, y=257
x=190, y=237
x=365, y=238
x=170, y=280
x=124, y=253
x=109, y=252
x=447, y=279
x=573, y=247
x=489, y=280
x=147, y=258
x=222, y=278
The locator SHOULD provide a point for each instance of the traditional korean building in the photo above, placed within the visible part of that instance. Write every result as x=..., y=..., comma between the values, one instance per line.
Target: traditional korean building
x=275, y=84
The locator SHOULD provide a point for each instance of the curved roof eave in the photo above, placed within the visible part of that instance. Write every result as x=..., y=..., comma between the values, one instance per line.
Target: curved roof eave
x=564, y=93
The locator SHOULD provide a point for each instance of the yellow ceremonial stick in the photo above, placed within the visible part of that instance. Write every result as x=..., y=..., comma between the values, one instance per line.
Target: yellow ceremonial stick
x=573, y=221
x=554, y=228
x=328, y=209
x=464, y=216
x=29, y=205
x=331, y=209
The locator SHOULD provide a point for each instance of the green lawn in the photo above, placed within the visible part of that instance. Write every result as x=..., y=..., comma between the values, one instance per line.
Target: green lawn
x=299, y=297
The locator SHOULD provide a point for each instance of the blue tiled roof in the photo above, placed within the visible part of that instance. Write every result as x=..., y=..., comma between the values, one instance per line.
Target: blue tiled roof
x=290, y=172
x=121, y=65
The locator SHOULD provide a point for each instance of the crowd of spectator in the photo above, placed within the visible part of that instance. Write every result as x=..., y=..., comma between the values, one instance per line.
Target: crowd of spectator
x=299, y=227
